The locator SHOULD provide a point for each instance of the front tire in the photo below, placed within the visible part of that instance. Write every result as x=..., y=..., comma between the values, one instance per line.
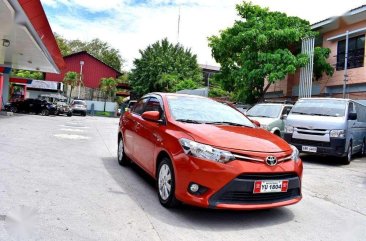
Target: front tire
x=166, y=184
x=348, y=158
x=121, y=156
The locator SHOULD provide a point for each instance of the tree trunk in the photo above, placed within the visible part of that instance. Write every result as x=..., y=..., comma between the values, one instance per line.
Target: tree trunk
x=70, y=93
x=105, y=103
x=264, y=92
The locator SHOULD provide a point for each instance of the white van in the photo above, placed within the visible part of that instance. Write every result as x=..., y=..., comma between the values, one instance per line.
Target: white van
x=327, y=126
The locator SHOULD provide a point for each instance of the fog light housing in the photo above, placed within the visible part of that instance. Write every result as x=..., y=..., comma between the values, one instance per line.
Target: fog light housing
x=194, y=187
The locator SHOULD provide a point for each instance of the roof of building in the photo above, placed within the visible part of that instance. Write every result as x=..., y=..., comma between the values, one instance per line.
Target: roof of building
x=351, y=16
x=85, y=52
x=32, y=44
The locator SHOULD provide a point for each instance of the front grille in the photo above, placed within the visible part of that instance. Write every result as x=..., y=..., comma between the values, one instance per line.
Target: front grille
x=310, y=142
x=249, y=197
x=255, y=177
x=240, y=190
x=307, y=129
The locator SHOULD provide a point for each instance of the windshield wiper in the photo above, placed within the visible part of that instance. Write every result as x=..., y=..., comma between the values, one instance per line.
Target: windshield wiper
x=189, y=121
x=300, y=113
x=226, y=123
x=324, y=115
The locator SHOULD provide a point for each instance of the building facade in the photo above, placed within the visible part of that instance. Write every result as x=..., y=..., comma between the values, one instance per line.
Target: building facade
x=333, y=34
x=92, y=71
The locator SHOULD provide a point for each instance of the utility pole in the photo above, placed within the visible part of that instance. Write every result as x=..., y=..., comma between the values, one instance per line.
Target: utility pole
x=178, y=25
x=345, y=66
x=81, y=73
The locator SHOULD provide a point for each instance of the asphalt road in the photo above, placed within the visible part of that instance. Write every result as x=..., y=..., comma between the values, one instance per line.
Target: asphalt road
x=59, y=180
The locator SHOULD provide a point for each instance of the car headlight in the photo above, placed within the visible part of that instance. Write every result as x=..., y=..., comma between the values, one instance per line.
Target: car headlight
x=295, y=153
x=205, y=151
x=337, y=133
x=289, y=129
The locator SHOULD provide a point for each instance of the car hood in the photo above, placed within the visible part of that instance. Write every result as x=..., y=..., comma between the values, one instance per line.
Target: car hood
x=236, y=137
x=316, y=122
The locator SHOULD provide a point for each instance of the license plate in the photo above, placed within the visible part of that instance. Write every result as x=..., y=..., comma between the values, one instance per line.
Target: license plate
x=270, y=186
x=309, y=148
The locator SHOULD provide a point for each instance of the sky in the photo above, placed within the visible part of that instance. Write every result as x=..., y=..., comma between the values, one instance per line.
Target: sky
x=131, y=25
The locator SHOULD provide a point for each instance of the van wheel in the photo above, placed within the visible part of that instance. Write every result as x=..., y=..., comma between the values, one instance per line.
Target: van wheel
x=348, y=158
x=166, y=184
x=363, y=148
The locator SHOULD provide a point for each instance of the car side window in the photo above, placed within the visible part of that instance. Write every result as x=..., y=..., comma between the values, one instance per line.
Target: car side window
x=153, y=105
x=286, y=110
x=139, y=107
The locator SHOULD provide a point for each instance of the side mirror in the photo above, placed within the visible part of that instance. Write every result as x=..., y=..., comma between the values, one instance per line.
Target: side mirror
x=256, y=123
x=352, y=116
x=284, y=117
x=151, y=116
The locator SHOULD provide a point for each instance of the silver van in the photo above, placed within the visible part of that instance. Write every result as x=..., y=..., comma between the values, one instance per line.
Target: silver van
x=327, y=126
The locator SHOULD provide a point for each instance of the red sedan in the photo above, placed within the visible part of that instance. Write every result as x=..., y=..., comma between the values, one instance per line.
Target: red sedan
x=207, y=154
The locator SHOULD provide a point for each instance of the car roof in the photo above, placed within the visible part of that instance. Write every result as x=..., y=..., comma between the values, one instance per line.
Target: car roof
x=163, y=94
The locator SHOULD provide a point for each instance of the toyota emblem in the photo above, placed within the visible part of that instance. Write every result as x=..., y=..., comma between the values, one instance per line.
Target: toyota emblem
x=271, y=161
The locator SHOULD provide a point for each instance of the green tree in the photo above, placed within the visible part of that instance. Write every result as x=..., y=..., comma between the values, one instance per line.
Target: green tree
x=162, y=67
x=63, y=45
x=264, y=45
x=108, y=86
x=72, y=79
x=96, y=47
x=27, y=74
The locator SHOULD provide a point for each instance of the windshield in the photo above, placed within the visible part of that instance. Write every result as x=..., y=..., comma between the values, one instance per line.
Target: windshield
x=267, y=111
x=326, y=107
x=204, y=110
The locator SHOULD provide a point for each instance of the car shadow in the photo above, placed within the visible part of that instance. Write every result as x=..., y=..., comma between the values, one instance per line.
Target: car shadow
x=141, y=188
x=322, y=160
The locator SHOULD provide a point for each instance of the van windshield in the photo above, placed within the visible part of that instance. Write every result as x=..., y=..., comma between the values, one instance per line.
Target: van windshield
x=326, y=107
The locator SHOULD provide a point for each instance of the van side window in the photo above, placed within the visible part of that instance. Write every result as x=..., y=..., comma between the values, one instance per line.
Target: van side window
x=351, y=108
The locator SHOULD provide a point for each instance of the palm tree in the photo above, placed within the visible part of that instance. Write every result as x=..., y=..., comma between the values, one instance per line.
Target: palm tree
x=108, y=86
x=73, y=79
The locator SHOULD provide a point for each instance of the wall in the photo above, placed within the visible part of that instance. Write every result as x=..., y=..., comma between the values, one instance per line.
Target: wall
x=99, y=106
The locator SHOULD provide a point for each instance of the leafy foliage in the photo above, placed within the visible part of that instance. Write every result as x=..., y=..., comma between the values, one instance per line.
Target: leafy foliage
x=28, y=74
x=72, y=79
x=96, y=47
x=262, y=46
x=165, y=67
x=321, y=64
x=108, y=86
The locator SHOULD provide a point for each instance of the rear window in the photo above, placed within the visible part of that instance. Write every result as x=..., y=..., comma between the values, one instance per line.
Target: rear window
x=79, y=102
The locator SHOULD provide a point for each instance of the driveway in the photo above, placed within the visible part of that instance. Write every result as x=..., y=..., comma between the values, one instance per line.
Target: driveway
x=60, y=180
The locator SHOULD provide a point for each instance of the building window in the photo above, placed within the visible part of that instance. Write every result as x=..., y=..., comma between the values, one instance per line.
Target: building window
x=356, y=52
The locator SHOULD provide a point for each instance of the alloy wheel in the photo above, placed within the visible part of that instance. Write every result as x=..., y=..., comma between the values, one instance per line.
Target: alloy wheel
x=120, y=150
x=165, y=182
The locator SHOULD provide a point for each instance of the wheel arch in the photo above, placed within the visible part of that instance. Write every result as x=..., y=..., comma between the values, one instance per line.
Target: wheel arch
x=158, y=159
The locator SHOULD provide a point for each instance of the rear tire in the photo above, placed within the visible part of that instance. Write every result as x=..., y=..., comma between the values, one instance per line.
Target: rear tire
x=121, y=156
x=14, y=109
x=45, y=112
x=166, y=184
x=348, y=158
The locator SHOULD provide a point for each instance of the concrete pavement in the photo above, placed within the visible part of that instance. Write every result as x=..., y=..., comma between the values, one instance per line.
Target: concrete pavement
x=65, y=171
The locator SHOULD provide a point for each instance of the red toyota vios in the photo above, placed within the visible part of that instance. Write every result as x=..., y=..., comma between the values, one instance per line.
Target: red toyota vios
x=207, y=154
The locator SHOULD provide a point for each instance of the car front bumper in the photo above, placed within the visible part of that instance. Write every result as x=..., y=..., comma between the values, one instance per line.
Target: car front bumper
x=335, y=147
x=230, y=186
